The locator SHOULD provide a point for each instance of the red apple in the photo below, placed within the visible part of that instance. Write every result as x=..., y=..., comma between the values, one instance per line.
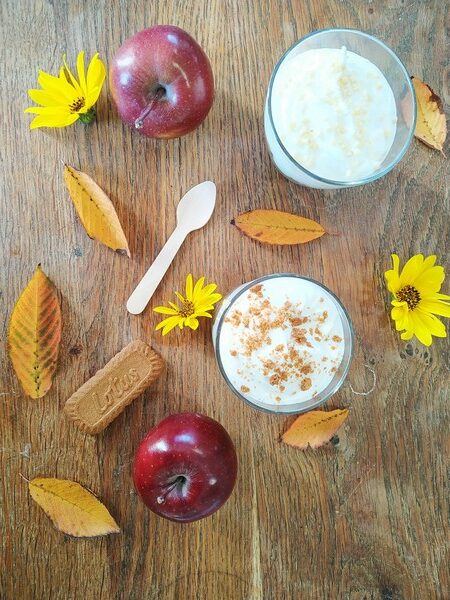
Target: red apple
x=162, y=82
x=185, y=468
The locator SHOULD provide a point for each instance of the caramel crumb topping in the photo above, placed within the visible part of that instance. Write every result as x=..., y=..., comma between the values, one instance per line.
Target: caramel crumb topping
x=235, y=318
x=336, y=338
x=245, y=389
x=296, y=321
x=305, y=384
x=323, y=317
x=299, y=336
x=257, y=289
x=233, y=352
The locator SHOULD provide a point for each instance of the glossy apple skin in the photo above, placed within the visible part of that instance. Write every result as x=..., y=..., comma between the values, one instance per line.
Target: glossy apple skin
x=185, y=468
x=162, y=59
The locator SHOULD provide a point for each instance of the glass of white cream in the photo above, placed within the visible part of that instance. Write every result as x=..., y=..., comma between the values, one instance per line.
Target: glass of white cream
x=340, y=110
x=283, y=343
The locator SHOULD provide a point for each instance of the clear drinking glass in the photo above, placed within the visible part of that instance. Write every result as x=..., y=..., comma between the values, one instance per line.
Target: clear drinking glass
x=340, y=373
x=396, y=75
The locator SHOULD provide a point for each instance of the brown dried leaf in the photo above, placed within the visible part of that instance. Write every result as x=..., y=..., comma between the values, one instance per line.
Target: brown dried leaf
x=95, y=209
x=277, y=227
x=431, y=125
x=314, y=428
x=72, y=508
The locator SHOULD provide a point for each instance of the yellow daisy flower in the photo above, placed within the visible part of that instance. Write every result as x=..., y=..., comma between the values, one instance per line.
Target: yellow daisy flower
x=416, y=298
x=64, y=99
x=198, y=302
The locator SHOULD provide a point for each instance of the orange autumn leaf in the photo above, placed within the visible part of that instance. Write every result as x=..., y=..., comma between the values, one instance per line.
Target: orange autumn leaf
x=277, y=227
x=431, y=125
x=96, y=211
x=73, y=509
x=314, y=428
x=34, y=334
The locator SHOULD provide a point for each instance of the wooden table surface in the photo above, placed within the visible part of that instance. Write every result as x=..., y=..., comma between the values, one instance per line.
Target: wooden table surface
x=364, y=518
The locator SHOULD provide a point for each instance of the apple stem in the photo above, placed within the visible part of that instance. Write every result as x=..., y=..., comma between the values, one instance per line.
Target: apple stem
x=179, y=481
x=139, y=122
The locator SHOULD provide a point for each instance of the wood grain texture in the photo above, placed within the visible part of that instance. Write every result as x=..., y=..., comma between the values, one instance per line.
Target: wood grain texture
x=362, y=519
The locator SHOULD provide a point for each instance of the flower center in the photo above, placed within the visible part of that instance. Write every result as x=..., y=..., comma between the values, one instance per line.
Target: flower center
x=77, y=105
x=187, y=309
x=410, y=295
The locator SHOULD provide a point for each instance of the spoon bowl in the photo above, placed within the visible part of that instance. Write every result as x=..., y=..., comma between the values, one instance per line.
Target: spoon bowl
x=196, y=206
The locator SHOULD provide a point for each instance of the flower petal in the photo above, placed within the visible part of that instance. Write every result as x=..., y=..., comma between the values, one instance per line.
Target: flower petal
x=53, y=121
x=213, y=298
x=420, y=329
x=439, y=297
x=392, y=276
x=72, y=79
x=189, y=287
x=210, y=300
x=81, y=73
x=96, y=73
x=92, y=96
x=436, y=307
x=198, y=292
x=434, y=325
x=430, y=280
x=407, y=335
x=411, y=270
x=58, y=87
x=57, y=111
x=399, y=312
x=192, y=323
x=45, y=98
x=180, y=297
x=168, y=324
x=204, y=308
x=164, y=310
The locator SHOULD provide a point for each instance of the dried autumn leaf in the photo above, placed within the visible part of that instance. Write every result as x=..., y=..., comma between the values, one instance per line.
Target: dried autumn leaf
x=431, y=125
x=72, y=508
x=95, y=209
x=277, y=227
x=34, y=334
x=314, y=428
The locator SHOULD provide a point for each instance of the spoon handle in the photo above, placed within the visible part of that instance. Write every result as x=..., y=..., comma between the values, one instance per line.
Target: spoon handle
x=148, y=284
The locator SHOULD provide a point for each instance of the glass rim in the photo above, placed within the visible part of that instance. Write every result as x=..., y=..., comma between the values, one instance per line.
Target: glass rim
x=400, y=155
x=289, y=409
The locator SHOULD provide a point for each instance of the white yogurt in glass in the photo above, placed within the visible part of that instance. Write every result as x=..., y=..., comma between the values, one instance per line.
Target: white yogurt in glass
x=335, y=113
x=283, y=343
x=340, y=110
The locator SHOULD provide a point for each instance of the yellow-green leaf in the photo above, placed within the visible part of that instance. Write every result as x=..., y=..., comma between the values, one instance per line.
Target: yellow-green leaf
x=277, y=227
x=431, y=125
x=73, y=509
x=95, y=209
x=34, y=334
x=314, y=428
